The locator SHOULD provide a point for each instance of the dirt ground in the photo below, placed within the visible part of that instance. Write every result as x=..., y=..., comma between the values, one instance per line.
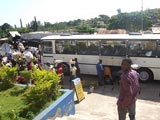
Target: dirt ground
x=101, y=104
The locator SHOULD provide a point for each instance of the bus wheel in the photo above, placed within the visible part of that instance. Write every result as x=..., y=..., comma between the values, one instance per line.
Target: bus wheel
x=145, y=74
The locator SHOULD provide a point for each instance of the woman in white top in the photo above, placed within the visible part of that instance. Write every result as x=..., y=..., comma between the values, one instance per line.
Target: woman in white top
x=73, y=71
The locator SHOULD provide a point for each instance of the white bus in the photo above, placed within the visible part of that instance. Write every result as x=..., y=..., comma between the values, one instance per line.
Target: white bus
x=144, y=50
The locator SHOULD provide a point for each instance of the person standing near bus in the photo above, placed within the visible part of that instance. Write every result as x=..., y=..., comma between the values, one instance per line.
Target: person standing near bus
x=77, y=66
x=99, y=68
x=107, y=75
x=60, y=72
x=129, y=89
x=72, y=74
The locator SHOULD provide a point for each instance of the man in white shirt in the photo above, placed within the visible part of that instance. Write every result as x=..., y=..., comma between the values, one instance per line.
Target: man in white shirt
x=73, y=71
x=28, y=55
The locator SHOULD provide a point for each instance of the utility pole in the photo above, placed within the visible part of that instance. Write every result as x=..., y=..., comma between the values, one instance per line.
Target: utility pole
x=142, y=16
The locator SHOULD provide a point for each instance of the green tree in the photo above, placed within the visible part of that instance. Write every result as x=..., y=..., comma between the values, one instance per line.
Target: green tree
x=34, y=25
x=74, y=23
x=4, y=29
x=85, y=29
x=22, y=30
x=47, y=24
x=119, y=11
x=104, y=18
x=129, y=21
x=6, y=26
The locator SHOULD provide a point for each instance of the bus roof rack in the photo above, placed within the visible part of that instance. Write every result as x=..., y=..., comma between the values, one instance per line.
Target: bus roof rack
x=135, y=33
x=65, y=34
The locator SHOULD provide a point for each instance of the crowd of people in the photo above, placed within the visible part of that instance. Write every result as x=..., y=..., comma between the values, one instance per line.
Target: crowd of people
x=14, y=53
x=10, y=54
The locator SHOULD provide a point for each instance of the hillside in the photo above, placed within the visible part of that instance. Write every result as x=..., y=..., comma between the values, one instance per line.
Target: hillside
x=131, y=22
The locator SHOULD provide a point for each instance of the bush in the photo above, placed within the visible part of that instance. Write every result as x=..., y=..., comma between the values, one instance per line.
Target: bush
x=7, y=77
x=30, y=115
x=45, y=89
x=0, y=116
x=13, y=115
x=26, y=75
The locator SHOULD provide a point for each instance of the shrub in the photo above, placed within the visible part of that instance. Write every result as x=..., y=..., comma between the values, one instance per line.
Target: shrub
x=7, y=77
x=30, y=115
x=0, y=116
x=45, y=89
x=13, y=115
x=26, y=75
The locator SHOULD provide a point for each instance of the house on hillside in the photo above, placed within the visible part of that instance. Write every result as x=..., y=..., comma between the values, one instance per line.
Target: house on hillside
x=156, y=28
x=105, y=31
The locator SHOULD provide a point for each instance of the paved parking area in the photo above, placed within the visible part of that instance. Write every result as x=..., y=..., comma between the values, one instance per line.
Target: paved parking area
x=101, y=104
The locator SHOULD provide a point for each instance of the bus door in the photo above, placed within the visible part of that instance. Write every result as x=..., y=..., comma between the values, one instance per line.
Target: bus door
x=47, y=51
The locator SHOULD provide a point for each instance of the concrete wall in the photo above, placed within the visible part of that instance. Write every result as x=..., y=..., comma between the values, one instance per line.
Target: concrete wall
x=64, y=106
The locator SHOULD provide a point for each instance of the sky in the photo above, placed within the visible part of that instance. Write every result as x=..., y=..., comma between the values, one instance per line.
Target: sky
x=65, y=10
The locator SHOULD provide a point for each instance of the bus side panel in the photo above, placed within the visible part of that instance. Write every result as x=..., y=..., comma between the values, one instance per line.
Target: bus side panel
x=151, y=63
x=88, y=69
x=146, y=62
x=47, y=58
x=107, y=60
x=117, y=60
x=156, y=73
x=87, y=63
x=112, y=60
x=64, y=58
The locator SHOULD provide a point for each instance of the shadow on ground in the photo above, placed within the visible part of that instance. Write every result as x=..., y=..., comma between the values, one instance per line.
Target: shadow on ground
x=149, y=91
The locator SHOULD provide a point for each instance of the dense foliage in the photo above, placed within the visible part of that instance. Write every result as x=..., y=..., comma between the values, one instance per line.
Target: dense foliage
x=130, y=21
x=11, y=103
x=7, y=77
x=45, y=89
x=31, y=99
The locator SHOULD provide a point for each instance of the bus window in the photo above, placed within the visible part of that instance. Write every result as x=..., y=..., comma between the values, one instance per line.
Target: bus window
x=66, y=47
x=142, y=48
x=47, y=47
x=85, y=47
x=113, y=48
x=158, y=49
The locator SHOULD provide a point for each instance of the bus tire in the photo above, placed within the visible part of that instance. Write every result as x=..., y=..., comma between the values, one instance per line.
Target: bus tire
x=145, y=74
x=66, y=70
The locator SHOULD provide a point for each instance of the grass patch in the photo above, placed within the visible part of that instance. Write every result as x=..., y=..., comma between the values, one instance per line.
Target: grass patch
x=12, y=103
x=11, y=100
